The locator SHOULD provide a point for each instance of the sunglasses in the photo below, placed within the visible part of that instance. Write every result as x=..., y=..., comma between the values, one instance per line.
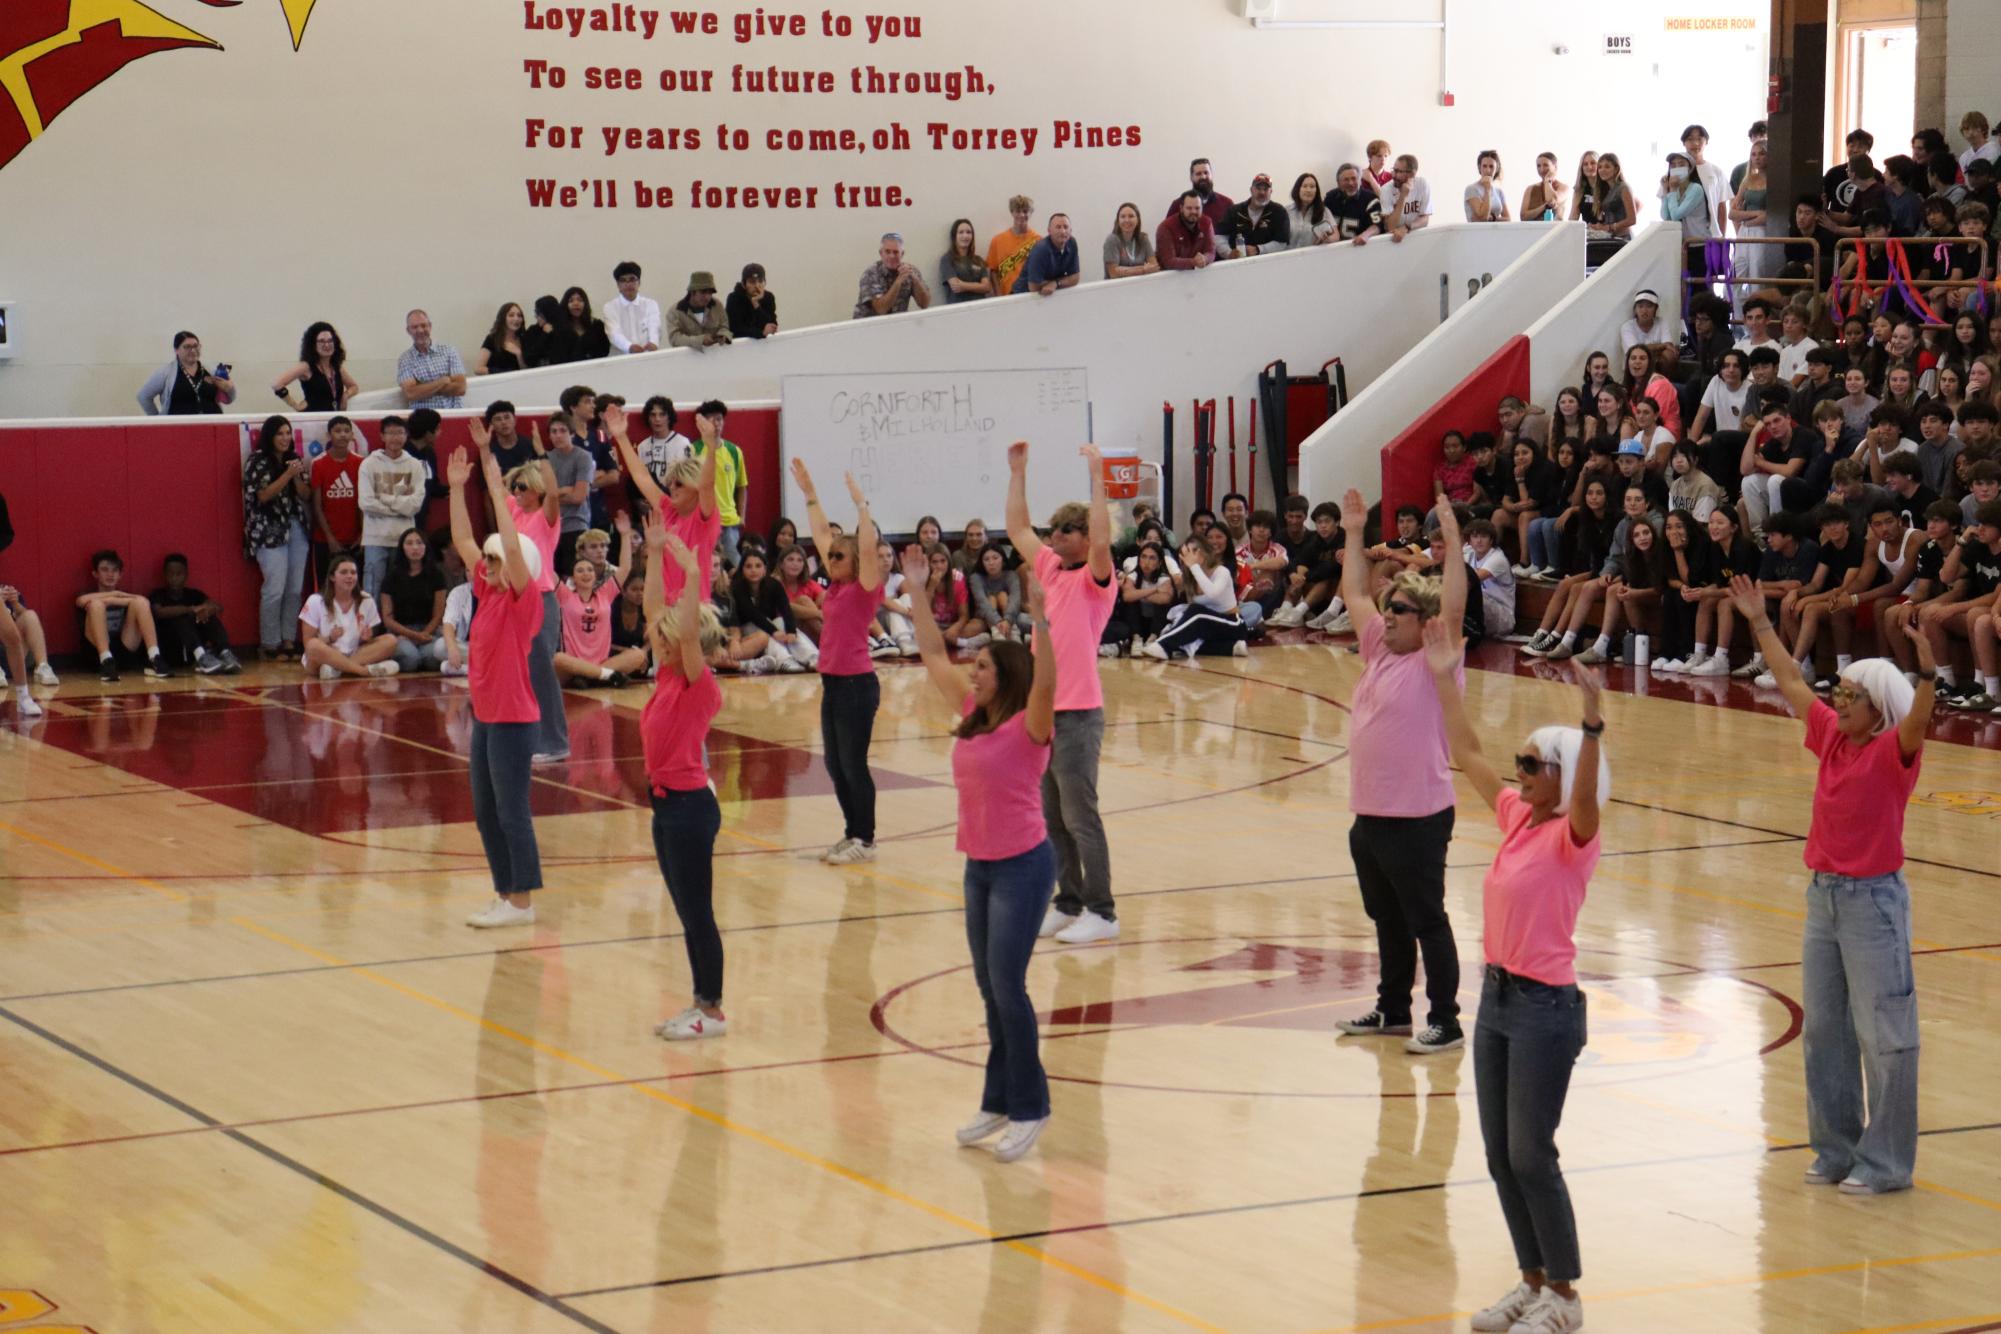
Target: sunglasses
x=1070, y=528
x=1528, y=766
x=1398, y=607
x=1843, y=695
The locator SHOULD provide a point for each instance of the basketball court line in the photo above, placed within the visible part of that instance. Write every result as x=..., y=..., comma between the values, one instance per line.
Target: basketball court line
x=1938, y=1325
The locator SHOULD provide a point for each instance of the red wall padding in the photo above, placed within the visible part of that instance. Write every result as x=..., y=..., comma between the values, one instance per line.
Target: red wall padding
x=1472, y=405
x=156, y=486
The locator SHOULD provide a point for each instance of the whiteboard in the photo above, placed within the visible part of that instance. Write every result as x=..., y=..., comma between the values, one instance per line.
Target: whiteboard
x=934, y=442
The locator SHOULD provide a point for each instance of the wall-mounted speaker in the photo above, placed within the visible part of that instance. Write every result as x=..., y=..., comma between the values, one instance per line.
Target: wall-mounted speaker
x=1258, y=9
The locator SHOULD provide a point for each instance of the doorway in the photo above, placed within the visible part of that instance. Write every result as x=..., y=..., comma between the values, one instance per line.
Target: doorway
x=1876, y=79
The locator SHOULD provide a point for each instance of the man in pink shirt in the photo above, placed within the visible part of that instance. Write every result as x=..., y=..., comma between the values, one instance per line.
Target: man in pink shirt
x=1400, y=786
x=1079, y=592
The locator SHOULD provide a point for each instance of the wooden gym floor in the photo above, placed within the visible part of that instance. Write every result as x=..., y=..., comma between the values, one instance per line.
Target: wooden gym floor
x=255, y=1075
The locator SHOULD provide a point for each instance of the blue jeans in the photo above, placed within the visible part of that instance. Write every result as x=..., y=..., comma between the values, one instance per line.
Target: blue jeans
x=847, y=724
x=414, y=657
x=1861, y=1029
x=731, y=543
x=554, y=736
x=284, y=568
x=374, y=568
x=1545, y=545
x=501, y=772
x=1525, y=1041
x=1004, y=902
x=1250, y=613
x=684, y=839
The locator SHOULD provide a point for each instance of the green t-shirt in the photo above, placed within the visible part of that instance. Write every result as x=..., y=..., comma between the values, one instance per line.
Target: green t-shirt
x=729, y=476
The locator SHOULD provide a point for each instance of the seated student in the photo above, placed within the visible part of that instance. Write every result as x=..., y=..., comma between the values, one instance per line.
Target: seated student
x=1146, y=594
x=34, y=645
x=1903, y=478
x=1495, y=578
x=1692, y=490
x=1313, y=583
x=1773, y=453
x=1973, y=576
x=1407, y=550
x=1452, y=476
x=1685, y=618
x=118, y=623
x=948, y=602
x=762, y=603
x=1927, y=585
x=1206, y=621
x=1490, y=471
x=803, y=593
x=1554, y=511
x=1819, y=386
x=1983, y=486
x=1731, y=553
x=996, y=594
x=1631, y=582
x=341, y=627
x=897, y=614
x=1588, y=547
x=412, y=604
x=190, y=622
x=967, y=558
x=1630, y=472
x=585, y=603
x=1261, y=568
x=744, y=648
x=1518, y=500
x=1825, y=597
x=628, y=625
x=1788, y=565
x=456, y=628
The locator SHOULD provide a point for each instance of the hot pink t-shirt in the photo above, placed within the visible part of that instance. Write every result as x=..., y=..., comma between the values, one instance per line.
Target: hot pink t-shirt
x=533, y=527
x=700, y=535
x=587, y=624
x=1858, y=799
x=674, y=726
x=1533, y=891
x=948, y=604
x=1399, y=761
x=846, y=614
x=503, y=627
x=1078, y=610
x=999, y=778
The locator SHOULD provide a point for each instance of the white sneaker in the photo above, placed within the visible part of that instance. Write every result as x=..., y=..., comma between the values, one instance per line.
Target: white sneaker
x=1765, y=681
x=386, y=668
x=549, y=757
x=1153, y=650
x=452, y=669
x=329, y=672
x=1321, y=621
x=1020, y=1138
x=1240, y=649
x=1714, y=665
x=692, y=1024
x=882, y=647
x=1342, y=624
x=1550, y=1314
x=976, y=641
x=849, y=851
x=1292, y=614
x=45, y=675
x=1108, y=650
x=1751, y=668
x=790, y=664
x=1054, y=920
x=1658, y=665
x=1501, y=1316
x=906, y=646
x=502, y=913
x=25, y=705
x=1088, y=929
x=1522, y=572
x=984, y=1126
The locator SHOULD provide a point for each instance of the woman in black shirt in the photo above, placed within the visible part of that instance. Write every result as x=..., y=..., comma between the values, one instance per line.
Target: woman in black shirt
x=583, y=330
x=412, y=603
x=503, y=349
x=321, y=372
x=761, y=604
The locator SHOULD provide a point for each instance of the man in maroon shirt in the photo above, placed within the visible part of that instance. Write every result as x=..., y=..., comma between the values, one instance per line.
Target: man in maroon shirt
x=336, y=481
x=1186, y=240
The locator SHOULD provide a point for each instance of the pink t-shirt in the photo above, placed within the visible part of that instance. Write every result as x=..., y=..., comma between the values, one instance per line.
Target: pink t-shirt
x=948, y=605
x=1533, y=891
x=701, y=535
x=1399, y=761
x=674, y=726
x=533, y=527
x=503, y=627
x=999, y=778
x=1078, y=610
x=846, y=614
x=587, y=624
x=1858, y=799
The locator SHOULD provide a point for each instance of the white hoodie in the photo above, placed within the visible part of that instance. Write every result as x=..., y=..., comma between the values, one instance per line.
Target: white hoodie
x=392, y=495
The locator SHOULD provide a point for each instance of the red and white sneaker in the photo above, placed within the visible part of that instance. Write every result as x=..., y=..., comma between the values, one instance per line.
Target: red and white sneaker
x=691, y=1024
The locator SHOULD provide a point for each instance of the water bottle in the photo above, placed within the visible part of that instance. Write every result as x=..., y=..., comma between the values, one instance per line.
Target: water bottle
x=1642, y=650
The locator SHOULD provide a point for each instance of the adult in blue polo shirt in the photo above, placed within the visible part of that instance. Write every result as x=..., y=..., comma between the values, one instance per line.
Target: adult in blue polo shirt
x=1052, y=263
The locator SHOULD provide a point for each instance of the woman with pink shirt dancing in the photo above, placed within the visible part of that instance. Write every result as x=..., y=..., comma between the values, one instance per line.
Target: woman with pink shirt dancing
x=1007, y=711
x=1531, y=1025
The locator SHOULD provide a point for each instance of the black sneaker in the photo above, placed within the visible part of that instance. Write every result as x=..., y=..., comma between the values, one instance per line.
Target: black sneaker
x=107, y=669
x=157, y=669
x=1436, y=1038
x=1824, y=683
x=1373, y=1024
x=1981, y=702
x=616, y=681
x=1951, y=697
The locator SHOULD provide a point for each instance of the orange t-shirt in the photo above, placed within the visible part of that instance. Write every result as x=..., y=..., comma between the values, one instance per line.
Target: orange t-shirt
x=1006, y=254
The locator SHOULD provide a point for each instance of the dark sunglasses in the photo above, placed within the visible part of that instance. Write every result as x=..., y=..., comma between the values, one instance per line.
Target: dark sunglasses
x=1398, y=607
x=1071, y=528
x=518, y=487
x=1528, y=766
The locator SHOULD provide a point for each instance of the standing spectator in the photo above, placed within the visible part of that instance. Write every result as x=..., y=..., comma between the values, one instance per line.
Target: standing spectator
x=1008, y=250
x=698, y=320
x=115, y=621
x=1837, y=186
x=1716, y=199
x=184, y=387
x=752, y=309
x=1979, y=146
x=1128, y=250
x=1378, y=174
x=1215, y=205
x=503, y=348
x=1257, y=224
x=962, y=274
x=582, y=331
x=276, y=493
x=1683, y=201
x=412, y=604
x=1751, y=264
x=1185, y=240
x=1587, y=193
x=1308, y=222
x=664, y=446
x=189, y=622
x=1406, y=199
x=546, y=342
x=889, y=285
x=1486, y=201
x=1358, y=211
x=1617, y=211
x=1053, y=263
x=1545, y=201
x=571, y=468
x=390, y=491
x=631, y=321
x=336, y=493
x=431, y=374
x=732, y=476
x=1759, y=133
x=321, y=372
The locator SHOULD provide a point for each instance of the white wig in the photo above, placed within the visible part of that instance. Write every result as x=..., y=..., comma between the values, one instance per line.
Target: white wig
x=1560, y=746
x=1879, y=679
x=531, y=555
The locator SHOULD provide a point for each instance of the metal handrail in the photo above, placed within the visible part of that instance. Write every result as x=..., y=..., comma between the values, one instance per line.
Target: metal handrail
x=1856, y=244
x=1692, y=278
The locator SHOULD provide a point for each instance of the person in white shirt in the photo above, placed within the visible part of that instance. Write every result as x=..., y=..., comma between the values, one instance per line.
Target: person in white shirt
x=631, y=321
x=1758, y=327
x=1716, y=198
x=392, y=495
x=340, y=627
x=1794, y=346
x=1486, y=201
x=1722, y=407
x=663, y=446
x=1656, y=439
x=1645, y=327
x=1497, y=577
x=1406, y=200
x=456, y=629
x=1973, y=128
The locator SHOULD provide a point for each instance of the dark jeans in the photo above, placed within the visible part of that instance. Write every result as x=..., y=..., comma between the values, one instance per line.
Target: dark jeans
x=1083, y=864
x=847, y=722
x=1677, y=625
x=1525, y=1042
x=181, y=639
x=1722, y=459
x=501, y=772
x=553, y=735
x=1143, y=619
x=1004, y=901
x=684, y=839
x=1401, y=866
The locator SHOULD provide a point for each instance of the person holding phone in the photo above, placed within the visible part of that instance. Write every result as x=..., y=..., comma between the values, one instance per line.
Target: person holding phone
x=184, y=387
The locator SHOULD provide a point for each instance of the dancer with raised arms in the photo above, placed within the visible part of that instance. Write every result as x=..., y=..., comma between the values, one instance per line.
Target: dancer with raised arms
x=1074, y=567
x=686, y=499
x=674, y=729
x=532, y=504
x=506, y=717
x=1531, y=1024
x=850, y=694
x=1007, y=709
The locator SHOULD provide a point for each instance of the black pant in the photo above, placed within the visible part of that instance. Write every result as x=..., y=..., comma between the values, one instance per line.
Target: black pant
x=566, y=555
x=684, y=839
x=182, y=638
x=1677, y=625
x=1723, y=460
x=847, y=722
x=1401, y=866
x=1142, y=619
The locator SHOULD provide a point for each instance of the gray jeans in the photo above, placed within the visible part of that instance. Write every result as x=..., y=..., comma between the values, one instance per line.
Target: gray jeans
x=1070, y=809
x=1861, y=1029
x=553, y=738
